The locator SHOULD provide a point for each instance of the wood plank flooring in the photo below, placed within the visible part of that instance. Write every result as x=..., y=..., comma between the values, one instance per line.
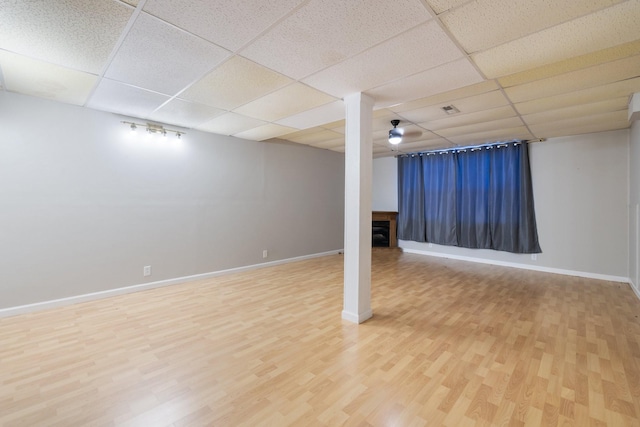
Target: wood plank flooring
x=450, y=344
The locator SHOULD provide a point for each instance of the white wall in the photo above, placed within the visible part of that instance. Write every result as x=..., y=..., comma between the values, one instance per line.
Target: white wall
x=84, y=205
x=634, y=206
x=580, y=186
x=385, y=184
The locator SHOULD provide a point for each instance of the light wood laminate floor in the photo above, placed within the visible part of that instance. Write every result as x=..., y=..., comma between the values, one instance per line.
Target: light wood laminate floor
x=451, y=343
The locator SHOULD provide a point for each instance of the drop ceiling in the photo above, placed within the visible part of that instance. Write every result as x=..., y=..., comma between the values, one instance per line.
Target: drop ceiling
x=525, y=69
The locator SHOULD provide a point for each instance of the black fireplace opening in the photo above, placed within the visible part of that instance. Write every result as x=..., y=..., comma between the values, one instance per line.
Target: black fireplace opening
x=380, y=234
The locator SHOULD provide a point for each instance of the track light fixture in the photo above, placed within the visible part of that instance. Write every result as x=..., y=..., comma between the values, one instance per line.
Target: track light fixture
x=153, y=129
x=395, y=135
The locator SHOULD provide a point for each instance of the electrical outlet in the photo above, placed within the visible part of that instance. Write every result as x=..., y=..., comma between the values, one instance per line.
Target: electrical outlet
x=265, y=253
x=430, y=245
x=534, y=257
x=146, y=271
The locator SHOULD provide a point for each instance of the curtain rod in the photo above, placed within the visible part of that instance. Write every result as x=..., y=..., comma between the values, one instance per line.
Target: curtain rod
x=487, y=146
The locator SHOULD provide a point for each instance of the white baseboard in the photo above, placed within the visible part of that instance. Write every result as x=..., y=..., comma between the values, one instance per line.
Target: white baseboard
x=634, y=288
x=524, y=266
x=357, y=318
x=45, y=305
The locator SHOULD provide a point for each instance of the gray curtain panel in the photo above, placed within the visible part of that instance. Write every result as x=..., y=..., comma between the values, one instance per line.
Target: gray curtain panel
x=440, y=207
x=474, y=229
x=411, y=217
x=479, y=197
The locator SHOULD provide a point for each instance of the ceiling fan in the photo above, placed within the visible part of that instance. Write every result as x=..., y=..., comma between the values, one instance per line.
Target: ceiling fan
x=396, y=135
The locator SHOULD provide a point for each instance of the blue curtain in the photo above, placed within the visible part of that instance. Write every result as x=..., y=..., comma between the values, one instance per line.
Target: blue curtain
x=411, y=224
x=474, y=230
x=440, y=208
x=477, y=198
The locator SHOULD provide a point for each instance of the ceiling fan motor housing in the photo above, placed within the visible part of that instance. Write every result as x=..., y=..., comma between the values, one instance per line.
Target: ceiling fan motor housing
x=395, y=135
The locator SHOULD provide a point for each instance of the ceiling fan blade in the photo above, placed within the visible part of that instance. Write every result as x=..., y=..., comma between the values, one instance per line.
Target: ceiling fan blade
x=412, y=134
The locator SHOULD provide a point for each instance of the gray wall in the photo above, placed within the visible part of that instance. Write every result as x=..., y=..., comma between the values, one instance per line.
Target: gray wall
x=84, y=205
x=580, y=188
x=634, y=206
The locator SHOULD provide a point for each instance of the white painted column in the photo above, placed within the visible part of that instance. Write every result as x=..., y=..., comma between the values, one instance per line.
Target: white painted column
x=634, y=197
x=634, y=107
x=357, y=208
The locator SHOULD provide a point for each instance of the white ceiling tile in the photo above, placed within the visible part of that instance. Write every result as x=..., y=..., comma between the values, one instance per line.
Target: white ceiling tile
x=443, y=78
x=378, y=153
x=506, y=134
x=484, y=101
x=424, y=114
x=440, y=6
x=467, y=105
x=601, y=107
x=290, y=100
x=445, y=98
x=330, y=144
x=477, y=128
x=78, y=34
x=230, y=123
x=337, y=126
x=432, y=144
x=265, y=132
x=380, y=149
x=482, y=24
x=575, y=63
x=582, y=79
x=186, y=114
x=315, y=137
x=228, y=23
x=325, y=32
x=457, y=120
x=601, y=30
x=123, y=99
x=44, y=80
x=382, y=112
x=580, y=125
x=316, y=116
x=162, y=58
x=300, y=133
x=599, y=93
x=418, y=49
x=383, y=123
x=235, y=83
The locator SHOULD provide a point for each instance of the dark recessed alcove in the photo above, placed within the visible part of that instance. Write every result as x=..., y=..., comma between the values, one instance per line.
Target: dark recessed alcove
x=380, y=234
x=383, y=229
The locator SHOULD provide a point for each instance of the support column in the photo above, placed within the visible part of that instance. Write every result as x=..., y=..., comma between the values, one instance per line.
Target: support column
x=357, y=208
x=634, y=107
